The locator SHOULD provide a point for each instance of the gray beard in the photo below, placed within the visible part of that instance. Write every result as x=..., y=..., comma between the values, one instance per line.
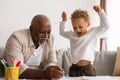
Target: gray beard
x=45, y=40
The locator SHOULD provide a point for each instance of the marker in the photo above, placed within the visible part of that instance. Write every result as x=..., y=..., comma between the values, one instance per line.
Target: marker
x=18, y=64
x=11, y=65
x=6, y=63
x=3, y=63
x=14, y=62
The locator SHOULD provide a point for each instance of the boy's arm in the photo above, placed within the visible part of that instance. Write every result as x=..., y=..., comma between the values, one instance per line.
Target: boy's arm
x=64, y=16
x=97, y=8
x=62, y=25
x=104, y=26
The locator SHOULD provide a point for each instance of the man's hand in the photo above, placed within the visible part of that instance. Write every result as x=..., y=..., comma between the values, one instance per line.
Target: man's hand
x=64, y=16
x=54, y=72
x=97, y=8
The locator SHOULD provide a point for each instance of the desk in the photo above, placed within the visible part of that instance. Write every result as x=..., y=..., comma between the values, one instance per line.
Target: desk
x=85, y=78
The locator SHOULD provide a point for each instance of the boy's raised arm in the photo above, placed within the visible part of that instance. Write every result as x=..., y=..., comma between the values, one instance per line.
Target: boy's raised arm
x=64, y=16
x=96, y=8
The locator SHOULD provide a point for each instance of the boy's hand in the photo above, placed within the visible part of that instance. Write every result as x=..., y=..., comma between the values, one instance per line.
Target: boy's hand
x=97, y=8
x=64, y=16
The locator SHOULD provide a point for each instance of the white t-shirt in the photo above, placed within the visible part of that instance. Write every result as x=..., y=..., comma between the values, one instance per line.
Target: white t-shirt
x=35, y=59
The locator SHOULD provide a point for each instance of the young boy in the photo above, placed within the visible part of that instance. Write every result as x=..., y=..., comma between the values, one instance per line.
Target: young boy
x=83, y=40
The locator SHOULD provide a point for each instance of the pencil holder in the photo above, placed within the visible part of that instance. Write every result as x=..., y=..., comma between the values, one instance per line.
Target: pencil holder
x=11, y=73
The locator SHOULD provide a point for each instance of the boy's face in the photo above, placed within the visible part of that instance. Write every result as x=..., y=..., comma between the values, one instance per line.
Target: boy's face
x=80, y=26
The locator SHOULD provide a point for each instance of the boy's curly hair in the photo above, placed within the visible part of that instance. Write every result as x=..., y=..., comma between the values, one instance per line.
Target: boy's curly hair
x=78, y=13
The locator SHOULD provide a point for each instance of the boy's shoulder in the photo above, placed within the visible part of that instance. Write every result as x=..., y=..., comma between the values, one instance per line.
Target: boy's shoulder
x=92, y=28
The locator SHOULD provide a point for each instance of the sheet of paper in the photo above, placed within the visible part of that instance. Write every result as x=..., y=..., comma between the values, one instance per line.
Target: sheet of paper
x=90, y=78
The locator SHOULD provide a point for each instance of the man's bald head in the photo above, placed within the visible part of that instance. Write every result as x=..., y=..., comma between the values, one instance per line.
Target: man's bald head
x=39, y=20
x=40, y=28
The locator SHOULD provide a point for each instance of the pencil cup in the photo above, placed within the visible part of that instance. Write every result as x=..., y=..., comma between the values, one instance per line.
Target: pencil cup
x=11, y=73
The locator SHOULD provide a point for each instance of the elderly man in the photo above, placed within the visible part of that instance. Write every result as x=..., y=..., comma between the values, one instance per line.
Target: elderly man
x=34, y=47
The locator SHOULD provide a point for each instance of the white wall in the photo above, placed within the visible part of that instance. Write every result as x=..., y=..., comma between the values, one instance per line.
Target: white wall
x=17, y=14
x=113, y=13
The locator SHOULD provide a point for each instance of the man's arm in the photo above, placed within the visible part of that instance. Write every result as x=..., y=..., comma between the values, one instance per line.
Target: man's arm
x=33, y=74
x=50, y=72
x=51, y=60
